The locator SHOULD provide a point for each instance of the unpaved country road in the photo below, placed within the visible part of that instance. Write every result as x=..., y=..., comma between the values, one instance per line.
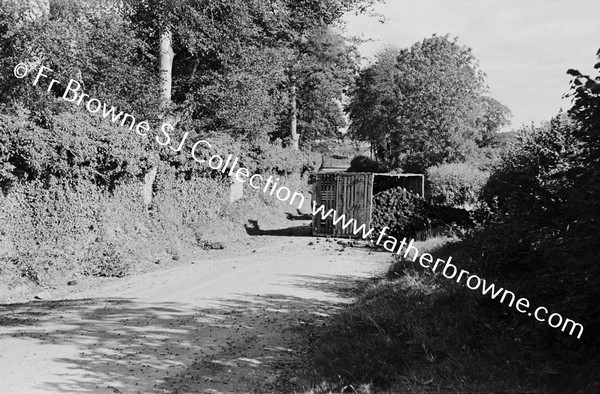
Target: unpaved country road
x=218, y=325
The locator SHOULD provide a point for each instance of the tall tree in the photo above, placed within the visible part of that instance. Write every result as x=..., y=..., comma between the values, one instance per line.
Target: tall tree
x=421, y=105
x=492, y=118
x=375, y=93
x=323, y=70
x=319, y=62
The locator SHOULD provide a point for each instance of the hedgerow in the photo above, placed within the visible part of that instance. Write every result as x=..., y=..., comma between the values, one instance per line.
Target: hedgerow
x=455, y=184
x=75, y=146
x=532, y=176
x=72, y=195
x=542, y=240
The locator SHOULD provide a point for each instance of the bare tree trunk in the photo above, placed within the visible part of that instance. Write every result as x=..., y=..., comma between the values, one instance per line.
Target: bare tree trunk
x=148, y=184
x=166, y=64
x=166, y=71
x=294, y=121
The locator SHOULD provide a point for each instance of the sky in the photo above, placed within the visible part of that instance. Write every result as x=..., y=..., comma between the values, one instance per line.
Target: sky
x=524, y=46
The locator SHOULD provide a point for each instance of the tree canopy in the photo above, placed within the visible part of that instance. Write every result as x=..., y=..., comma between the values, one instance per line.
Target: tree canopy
x=424, y=105
x=234, y=61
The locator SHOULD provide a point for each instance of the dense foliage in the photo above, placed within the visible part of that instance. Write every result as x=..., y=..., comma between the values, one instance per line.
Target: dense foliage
x=425, y=105
x=455, y=184
x=543, y=239
x=243, y=66
x=536, y=170
x=365, y=164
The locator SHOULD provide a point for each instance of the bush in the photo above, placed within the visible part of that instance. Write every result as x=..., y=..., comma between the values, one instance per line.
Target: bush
x=71, y=200
x=529, y=191
x=455, y=184
x=364, y=164
x=530, y=178
x=262, y=156
x=48, y=228
x=104, y=260
x=542, y=241
x=76, y=146
x=276, y=160
x=56, y=213
x=184, y=203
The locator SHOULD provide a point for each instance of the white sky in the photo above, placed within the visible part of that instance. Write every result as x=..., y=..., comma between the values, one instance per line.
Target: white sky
x=524, y=46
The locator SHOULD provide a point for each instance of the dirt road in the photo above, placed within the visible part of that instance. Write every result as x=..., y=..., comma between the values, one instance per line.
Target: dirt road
x=222, y=323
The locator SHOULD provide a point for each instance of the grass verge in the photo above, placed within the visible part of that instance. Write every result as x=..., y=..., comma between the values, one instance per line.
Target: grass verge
x=416, y=332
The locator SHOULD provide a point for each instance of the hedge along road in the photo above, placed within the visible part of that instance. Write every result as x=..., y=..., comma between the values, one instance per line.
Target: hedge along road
x=74, y=93
x=223, y=324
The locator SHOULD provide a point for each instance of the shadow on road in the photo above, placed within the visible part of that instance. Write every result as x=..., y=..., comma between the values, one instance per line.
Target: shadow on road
x=299, y=216
x=253, y=228
x=242, y=344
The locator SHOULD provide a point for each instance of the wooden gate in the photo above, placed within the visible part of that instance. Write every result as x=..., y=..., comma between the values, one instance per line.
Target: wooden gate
x=349, y=194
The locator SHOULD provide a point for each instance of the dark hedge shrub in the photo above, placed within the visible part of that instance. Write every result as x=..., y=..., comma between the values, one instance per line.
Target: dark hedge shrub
x=440, y=215
x=542, y=242
x=530, y=178
x=364, y=164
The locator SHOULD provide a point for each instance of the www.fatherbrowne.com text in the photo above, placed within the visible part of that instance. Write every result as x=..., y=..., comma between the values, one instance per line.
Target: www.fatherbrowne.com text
x=450, y=271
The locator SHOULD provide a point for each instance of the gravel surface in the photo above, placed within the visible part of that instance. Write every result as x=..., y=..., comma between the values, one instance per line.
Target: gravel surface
x=218, y=322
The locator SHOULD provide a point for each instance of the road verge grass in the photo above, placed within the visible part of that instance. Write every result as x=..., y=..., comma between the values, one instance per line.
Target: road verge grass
x=414, y=331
